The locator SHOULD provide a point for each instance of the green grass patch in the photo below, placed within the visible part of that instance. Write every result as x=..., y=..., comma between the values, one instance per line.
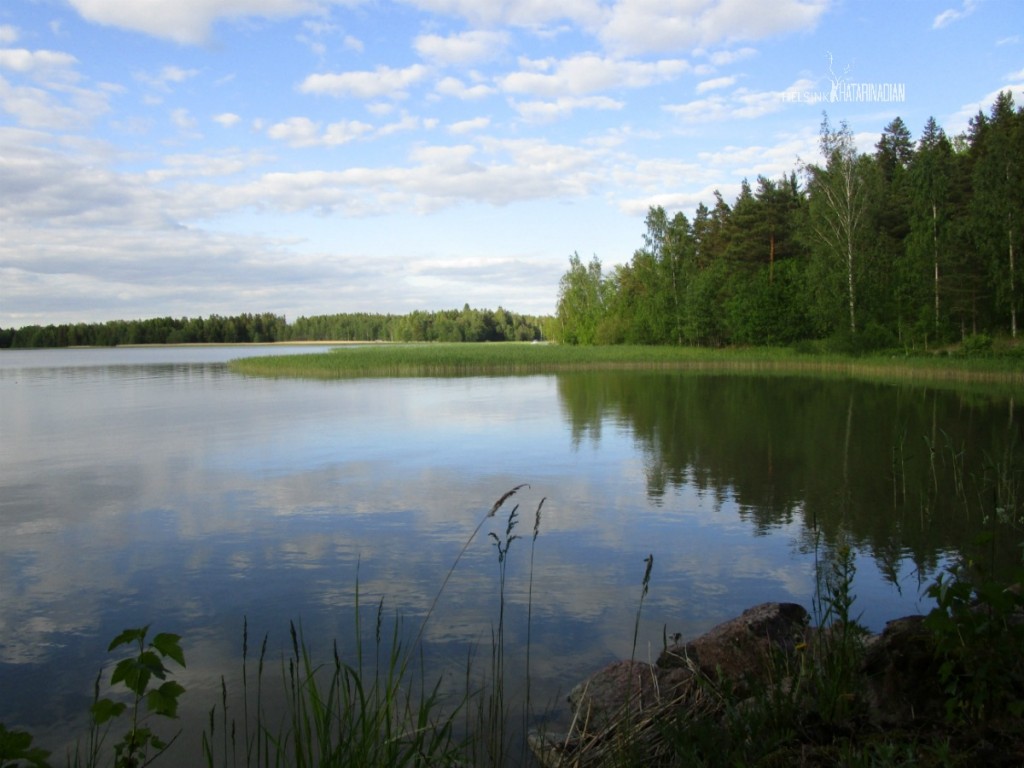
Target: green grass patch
x=510, y=359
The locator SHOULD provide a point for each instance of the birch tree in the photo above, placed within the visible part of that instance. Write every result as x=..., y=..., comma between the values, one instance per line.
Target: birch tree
x=837, y=201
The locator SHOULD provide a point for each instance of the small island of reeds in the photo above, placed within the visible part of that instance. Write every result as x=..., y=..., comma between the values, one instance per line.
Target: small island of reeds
x=511, y=359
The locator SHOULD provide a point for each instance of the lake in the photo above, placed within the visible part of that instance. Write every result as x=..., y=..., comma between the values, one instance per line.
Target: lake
x=152, y=485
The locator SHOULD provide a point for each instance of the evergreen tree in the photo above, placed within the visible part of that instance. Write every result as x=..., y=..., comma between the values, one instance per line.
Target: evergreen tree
x=998, y=210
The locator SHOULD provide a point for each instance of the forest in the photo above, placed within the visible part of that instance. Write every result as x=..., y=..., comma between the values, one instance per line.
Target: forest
x=911, y=247
x=466, y=324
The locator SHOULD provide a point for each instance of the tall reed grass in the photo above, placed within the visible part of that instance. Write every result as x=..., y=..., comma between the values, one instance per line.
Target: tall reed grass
x=378, y=708
x=505, y=359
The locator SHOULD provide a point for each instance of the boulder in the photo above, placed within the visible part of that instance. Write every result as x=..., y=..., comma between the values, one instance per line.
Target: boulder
x=640, y=695
x=742, y=650
x=901, y=672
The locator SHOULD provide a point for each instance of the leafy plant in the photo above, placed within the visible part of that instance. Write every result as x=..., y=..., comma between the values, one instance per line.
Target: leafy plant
x=16, y=750
x=140, y=745
x=978, y=624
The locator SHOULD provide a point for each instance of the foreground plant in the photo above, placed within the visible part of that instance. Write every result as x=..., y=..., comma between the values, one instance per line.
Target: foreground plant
x=978, y=625
x=140, y=745
x=16, y=750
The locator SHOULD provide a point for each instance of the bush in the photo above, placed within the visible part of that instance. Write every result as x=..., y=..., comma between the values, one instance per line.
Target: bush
x=976, y=345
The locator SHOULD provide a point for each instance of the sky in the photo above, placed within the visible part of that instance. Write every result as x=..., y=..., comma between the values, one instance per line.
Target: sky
x=193, y=157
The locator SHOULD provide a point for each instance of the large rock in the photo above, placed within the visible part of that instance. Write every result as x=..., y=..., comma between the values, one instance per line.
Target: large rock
x=639, y=695
x=622, y=689
x=901, y=672
x=743, y=650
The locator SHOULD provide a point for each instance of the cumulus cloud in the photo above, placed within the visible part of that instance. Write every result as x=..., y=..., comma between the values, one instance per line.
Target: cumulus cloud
x=190, y=21
x=715, y=83
x=741, y=103
x=8, y=34
x=586, y=74
x=463, y=48
x=382, y=82
x=453, y=86
x=545, y=111
x=534, y=14
x=303, y=132
x=724, y=58
x=226, y=119
x=644, y=26
x=166, y=77
x=39, y=63
x=492, y=172
x=59, y=107
x=468, y=126
x=201, y=165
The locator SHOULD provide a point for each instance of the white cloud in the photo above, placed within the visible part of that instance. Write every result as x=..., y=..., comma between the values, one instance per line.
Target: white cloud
x=952, y=15
x=8, y=34
x=166, y=77
x=461, y=49
x=296, y=131
x=468, y=126
x=60, y=107
x=534, y=14
x=183, y=119
x=545, y=111
x=39, y=63
x=741, y=103
x=303, y=132
x=643, y=26
x=724, y=58
x=405, y=123
x=452, y=86
x=382, y=82
x=227, y=119
x=189, y=21
x=344, y=131
x=588, y=73
x=715, y=83
x=435, y=177
x=193, y=166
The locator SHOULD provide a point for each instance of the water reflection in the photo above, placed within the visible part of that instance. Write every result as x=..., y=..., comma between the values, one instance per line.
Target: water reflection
x=903, y=469
x=173, y=492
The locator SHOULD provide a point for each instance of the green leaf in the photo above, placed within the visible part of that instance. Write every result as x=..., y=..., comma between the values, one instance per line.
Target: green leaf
x=153, y=664
x=169, y=645
x=134, y=675
x=17, y=745
x=137, y=635
x=164, y=700
x=105, y=709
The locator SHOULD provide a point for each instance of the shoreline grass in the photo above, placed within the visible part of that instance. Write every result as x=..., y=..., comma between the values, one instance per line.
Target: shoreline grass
x=511, y=359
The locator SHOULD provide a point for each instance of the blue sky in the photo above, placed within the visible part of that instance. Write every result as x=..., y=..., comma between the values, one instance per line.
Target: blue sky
x=189, y=157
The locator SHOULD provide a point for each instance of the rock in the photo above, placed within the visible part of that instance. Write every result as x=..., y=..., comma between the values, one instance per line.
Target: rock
x=603, y=698
x=640, y=694
x=902, y=673
x=743, y=649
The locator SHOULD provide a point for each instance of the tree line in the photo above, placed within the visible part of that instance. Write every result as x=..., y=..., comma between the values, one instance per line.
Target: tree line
x=467, y=324
x=913, y=245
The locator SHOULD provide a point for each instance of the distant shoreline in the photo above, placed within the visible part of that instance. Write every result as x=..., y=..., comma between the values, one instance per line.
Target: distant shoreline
x=227, y=344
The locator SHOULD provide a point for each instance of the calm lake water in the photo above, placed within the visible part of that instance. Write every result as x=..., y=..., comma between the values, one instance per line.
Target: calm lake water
x=153, y=486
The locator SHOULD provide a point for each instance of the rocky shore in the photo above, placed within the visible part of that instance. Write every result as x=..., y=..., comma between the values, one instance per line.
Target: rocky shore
x=767, y=656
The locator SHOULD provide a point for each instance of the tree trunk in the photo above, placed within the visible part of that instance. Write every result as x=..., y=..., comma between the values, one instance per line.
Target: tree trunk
x=935, y=261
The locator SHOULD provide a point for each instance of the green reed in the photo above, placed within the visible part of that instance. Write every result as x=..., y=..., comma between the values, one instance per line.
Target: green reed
x=513, y=358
